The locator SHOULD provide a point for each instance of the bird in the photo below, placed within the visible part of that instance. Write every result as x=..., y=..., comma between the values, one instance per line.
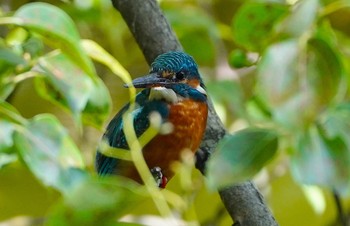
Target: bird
x=174, y=89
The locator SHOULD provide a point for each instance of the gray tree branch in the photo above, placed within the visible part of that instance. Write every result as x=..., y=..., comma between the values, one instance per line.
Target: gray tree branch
x=154, y=35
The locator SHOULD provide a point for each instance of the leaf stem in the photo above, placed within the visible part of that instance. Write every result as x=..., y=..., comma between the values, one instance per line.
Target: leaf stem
x=333, y=7
x=26, y=75
x=11, y=20
x=141, y=165
x=97, y=53
x=12, y=115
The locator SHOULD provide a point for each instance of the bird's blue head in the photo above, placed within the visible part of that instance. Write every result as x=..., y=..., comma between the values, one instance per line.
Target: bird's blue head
x=169, y=69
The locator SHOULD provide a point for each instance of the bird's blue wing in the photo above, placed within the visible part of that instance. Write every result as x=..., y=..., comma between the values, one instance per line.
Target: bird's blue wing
x=103, y=164
x=114, y=134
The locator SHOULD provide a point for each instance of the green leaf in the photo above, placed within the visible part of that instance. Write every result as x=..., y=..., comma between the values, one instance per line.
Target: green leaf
x=238, y=59
x=279, y=85
x=9, y=113
x=59, y=31
x=49, y=152
x=301, y=19
x=98, y=105
x=65, y=84
x=10, y=57
x=240, y=156
x=6, y=131
x=324, y=68
x=297, y=112
x=336, y=122
x=278, y=78
x=34, y=46
x=9, y=60
x=254, y=22
x=97, y=202
x=321, y=160
x=96, y=52
x=293, y=77
x=6, y=86
x=6, y=159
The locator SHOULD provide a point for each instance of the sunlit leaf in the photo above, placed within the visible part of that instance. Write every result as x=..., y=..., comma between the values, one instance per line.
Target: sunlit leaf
x=321, y=161
x=316, y=197
x=297, y=112
x=293, y=77
x=254, y=22
x=278, y=78
x=301, y=19
x=59, y=30
x=48, y=151
x=63, y=82
x=95, y=51
x=240, y=156
x=280, y=75
x=97, y=203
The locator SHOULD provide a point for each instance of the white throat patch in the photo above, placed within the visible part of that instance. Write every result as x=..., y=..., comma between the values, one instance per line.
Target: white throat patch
x=158, y=93
x=201, y=90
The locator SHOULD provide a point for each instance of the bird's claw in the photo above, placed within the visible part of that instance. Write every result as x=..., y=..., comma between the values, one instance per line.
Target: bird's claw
x=158, y=176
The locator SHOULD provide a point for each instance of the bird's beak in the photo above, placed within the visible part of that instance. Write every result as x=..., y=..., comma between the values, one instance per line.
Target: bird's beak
x=150, y=80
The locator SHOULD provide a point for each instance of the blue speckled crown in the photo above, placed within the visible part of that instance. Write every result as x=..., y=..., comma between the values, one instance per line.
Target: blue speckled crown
x=175, y=61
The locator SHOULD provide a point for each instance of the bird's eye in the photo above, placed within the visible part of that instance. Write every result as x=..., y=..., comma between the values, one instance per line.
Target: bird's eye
x=180, y=75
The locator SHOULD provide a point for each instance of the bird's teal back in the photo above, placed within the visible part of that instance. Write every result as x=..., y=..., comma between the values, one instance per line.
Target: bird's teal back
x=175, y=90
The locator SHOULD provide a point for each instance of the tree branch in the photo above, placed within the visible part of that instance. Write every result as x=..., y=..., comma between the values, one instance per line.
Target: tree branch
x=148, y=26
x=154, y=35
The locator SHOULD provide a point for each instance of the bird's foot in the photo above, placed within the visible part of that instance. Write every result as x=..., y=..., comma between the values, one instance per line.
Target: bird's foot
x=158, y=176
x=201, y=157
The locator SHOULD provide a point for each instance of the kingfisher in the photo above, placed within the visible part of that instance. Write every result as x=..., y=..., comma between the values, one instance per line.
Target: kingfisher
x=174, y=89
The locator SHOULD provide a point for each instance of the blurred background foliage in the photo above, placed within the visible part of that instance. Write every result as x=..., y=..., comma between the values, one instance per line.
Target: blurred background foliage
x=282, y=66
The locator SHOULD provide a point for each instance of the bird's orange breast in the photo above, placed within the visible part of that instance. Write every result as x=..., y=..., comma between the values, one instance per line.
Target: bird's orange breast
x=189, y=120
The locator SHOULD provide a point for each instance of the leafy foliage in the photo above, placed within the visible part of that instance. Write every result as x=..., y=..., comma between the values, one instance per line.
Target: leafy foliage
x=321, y=160
x=262, y=17
x=109, y=202
x=66, y=77
x=300, y=77
x=60, y=28
x=240, y=156
x=291, y=98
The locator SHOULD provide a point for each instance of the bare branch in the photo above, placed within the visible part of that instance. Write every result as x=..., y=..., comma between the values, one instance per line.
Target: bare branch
x=148, y=26
x=246, y=205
